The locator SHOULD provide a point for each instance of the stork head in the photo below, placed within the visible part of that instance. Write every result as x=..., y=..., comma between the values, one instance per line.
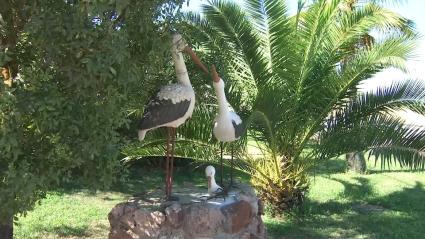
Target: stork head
x=209, y=172
x=179, y=44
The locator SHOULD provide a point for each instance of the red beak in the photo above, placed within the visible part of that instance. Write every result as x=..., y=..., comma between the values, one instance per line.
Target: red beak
x=215, y=76
x=195, y=59
x=209, y=181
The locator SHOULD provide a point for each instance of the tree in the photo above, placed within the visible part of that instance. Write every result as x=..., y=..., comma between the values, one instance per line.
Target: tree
x=77, y=67
x=356, y=161
x=304, y=104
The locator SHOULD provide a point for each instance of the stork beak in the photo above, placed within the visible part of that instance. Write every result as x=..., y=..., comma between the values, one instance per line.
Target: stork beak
x=209, y=181
x=195, y=59
x=214, y=74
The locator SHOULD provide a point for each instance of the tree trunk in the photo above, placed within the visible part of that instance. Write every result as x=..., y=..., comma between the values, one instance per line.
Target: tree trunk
x=6, y=229
x=356, y=162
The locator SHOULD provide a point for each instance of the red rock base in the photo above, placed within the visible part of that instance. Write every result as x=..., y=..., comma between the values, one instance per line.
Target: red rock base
x=236, y=218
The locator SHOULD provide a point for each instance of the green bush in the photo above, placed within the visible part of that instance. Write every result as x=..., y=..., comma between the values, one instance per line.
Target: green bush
x=82, y=66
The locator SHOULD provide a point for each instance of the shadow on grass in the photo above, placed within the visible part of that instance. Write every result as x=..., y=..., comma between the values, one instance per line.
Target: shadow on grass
x=339, y=165
x=358, y=191
x=329, y=166
x=407, y=170
x=143, y=178
x=147, y=177
x=401, y=217
x=66, y=231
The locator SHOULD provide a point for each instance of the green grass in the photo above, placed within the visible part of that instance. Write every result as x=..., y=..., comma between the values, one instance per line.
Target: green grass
x=331, y=209
x=78, y=213
x=69, y=215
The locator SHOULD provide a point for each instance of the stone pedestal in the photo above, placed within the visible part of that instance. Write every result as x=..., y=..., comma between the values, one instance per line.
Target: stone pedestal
x=238, y=216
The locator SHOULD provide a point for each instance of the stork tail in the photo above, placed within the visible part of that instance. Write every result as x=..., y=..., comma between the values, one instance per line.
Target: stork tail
x=142, y=134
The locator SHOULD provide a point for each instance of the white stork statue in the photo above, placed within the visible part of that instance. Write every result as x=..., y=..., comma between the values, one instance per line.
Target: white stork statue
x=227, y=124
x=213, y=188
x=171, y=106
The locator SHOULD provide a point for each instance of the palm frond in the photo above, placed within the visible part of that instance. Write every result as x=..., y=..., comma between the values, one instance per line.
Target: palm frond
x=342, y=51
x=276, y=34
x=391, y=52
x=314, y=24
x=386, y=135
x=404, y=156
x=232, y=23
x=184, y=148
x=401, y=95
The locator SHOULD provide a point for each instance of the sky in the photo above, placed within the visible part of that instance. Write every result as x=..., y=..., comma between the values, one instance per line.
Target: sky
x=411, y=9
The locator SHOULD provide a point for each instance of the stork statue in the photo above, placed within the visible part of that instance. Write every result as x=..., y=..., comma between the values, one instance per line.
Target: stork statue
x=171, y=106
x=227, y=124
x=213, y=188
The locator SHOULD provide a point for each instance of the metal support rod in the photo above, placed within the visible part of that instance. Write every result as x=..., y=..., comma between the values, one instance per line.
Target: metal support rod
x=221, y=163
x=173, y=142
x=167, y=165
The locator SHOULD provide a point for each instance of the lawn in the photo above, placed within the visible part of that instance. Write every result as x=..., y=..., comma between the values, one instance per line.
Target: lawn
x=387, y=204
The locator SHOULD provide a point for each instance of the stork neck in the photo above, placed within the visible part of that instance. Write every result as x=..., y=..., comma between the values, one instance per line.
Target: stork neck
x=213, y=183
x=180, y=66
x=222, y=101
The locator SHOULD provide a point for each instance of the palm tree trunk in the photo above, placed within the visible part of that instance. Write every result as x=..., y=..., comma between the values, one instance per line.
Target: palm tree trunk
x=356, y=162
x=6, y=229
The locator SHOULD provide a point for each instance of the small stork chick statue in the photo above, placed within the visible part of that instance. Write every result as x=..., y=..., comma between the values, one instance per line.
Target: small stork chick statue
x=227, y=125
x=171, y=106
x=213, y=188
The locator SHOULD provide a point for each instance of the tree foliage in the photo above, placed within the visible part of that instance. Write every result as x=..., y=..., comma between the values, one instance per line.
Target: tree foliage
x=78, y=68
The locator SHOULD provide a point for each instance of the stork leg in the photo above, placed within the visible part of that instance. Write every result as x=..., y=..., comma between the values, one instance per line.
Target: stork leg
x=167, y=165
x=173, y=141
x=221, y=163
x=231, y=168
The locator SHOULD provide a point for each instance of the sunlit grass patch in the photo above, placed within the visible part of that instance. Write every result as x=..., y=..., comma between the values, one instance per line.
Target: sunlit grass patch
x=69, y=215
x=347, y=205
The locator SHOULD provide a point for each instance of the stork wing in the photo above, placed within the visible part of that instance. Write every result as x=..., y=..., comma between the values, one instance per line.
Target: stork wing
x=238, y=129
x=237, y=124
x=162, y=110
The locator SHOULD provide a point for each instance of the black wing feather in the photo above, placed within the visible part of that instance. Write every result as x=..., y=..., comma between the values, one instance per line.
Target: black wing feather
x=162, y=111
x=238, y=129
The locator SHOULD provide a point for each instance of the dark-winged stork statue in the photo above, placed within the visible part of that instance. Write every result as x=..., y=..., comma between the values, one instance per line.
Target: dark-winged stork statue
x=171, y=106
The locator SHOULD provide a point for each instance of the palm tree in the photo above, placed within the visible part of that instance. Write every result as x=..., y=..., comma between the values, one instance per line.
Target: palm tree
x=295, y=81
x=303, y=73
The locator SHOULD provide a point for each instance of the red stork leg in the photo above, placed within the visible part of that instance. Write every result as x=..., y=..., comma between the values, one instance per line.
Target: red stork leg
x=231, y=169
x=173, y=141
x=167, y=165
